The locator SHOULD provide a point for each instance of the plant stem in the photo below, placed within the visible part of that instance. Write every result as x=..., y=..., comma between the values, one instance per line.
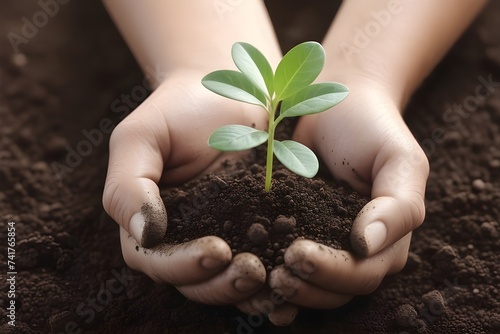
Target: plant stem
x=269, y=159
x=270, y=147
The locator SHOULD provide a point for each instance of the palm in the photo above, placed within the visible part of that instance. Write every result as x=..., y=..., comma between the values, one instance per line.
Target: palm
x=365, y=142
x=354, y=136
x=190, y=113
x=166, y=138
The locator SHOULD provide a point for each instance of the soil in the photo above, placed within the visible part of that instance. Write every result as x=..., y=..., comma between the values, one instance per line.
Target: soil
x=56, y=98
x=233, y=205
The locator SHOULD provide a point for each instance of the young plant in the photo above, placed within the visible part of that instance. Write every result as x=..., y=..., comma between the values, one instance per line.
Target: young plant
x=288, y=92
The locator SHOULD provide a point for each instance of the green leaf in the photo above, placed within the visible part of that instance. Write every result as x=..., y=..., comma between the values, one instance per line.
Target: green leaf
x=314, y=99
x=298, y=68
x=234, y=85
x=296, y=157
x=236, y=138
x=252, y=63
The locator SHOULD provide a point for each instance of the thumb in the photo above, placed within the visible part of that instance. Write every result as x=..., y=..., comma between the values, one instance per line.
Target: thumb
x=398, y=190
x=131, y=195
x=305, y=126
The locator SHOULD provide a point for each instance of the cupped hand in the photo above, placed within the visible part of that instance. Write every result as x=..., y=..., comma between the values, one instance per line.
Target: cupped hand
x=365, y=142
x=166, y=138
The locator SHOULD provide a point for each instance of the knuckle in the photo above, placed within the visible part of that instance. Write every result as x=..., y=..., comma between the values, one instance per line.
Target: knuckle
x=416, y=205
x=125, y=130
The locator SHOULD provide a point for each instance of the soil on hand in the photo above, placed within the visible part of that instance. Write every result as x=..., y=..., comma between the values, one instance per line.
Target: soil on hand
x=70, y=80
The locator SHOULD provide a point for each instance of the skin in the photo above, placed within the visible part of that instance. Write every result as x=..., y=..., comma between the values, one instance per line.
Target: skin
x=165, y=139
x=367, y=130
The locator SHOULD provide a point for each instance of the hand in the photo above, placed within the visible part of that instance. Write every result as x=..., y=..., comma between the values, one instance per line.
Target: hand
x=166, y=138
x=365, y=142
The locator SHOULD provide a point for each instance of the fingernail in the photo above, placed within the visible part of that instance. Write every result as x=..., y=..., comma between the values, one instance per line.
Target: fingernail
x=375, y=235
x=211, y=263
x=136, y=227
x=245, y=284
x=151, y=223
x=303, y=269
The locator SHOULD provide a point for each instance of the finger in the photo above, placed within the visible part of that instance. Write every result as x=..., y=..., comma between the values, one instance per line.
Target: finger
x=302, y=132
x=131, y=195
x=241, y=279
x=284, y=314
x=302, y=293
x=263, y=302
x=338, y=270
x=188, y=263
x=397, y=208
x=267, y=302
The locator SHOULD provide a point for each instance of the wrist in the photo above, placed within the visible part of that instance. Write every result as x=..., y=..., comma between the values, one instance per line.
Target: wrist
x=176, y=35
x=201, y=60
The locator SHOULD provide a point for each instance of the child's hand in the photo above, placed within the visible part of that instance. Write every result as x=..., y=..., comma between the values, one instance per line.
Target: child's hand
x=166, y=138
x=365, y=142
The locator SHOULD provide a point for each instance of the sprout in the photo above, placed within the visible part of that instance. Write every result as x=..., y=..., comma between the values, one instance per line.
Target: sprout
x=288, y=92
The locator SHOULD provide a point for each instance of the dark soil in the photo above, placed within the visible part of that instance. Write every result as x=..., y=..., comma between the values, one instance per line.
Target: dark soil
x=71, y=277
x=232, y=204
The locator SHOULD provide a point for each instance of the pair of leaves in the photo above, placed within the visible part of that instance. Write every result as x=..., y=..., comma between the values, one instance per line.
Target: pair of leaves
x=313, y=99
x=256, y=83
x=295, y=156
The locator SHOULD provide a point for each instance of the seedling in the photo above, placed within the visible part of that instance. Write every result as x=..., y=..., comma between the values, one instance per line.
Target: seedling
x=288, y=92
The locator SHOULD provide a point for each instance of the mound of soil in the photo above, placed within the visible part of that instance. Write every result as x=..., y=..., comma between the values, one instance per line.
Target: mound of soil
x=64, y=83
x=233, y=205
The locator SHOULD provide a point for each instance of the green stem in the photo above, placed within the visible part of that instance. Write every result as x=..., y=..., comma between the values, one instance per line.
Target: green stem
x=270, y=147
x=269, y=160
